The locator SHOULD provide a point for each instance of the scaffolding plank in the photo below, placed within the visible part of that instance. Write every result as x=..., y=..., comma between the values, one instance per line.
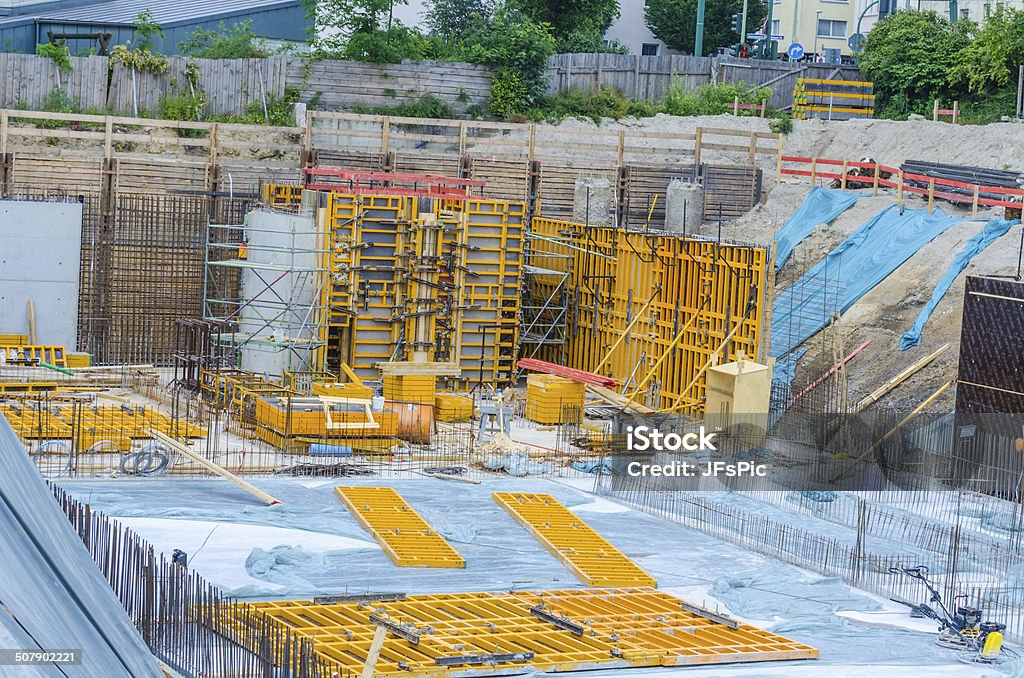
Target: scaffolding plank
x=572, y=541
x=403, y=534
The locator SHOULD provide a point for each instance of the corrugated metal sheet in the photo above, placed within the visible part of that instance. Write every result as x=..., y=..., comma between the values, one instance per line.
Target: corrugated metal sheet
x=166, y=13
x=50, y=586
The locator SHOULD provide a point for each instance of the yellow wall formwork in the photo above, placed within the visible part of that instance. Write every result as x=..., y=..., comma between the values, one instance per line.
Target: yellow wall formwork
x=389, y=267
x=690, y=294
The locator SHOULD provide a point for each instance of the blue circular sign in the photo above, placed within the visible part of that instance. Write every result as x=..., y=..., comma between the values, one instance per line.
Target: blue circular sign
x=795, y=51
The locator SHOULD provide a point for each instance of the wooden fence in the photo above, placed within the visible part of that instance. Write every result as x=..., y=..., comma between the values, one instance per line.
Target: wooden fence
x=649, y=77
x=97, y=84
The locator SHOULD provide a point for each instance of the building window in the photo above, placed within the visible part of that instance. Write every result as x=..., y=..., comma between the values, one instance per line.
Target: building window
x=965, y=14
x=830, y=28
x=649, y=49
x=776, y=26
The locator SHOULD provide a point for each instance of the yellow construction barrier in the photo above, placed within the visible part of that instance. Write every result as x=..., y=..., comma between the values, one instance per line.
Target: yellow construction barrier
x=547, y=396
x=549, y=631
x=572, y=541
x=403, y=534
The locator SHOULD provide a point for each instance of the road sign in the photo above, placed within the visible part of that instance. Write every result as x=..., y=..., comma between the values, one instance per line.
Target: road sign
x=856, y=42
x=762, y=36
x=795, y=51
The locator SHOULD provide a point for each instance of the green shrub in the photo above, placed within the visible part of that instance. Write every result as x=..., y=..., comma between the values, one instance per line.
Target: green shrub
x=238, y=42
x=427, y=106
x=59, y=53
x=711, y=99
x=605, y=103
x=58, y=101
x=782, y=125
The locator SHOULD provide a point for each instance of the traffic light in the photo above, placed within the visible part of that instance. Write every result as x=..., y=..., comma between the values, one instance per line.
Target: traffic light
x=737, y=24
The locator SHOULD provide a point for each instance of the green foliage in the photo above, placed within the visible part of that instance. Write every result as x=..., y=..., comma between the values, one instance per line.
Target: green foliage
x=238, y=42
x=567, y=18
x=384, y=46
x=909, y=56
x=279, y=111
x=188, y=101
x=518, y=49
x=992, y=57
x=712, y=99
x=336, y=22
x=57, y=101
x=146, y=30
x=586, y=43
x=508, y=92
x=781, y=125
x=427, y=106
x=988, y=107
x=453, y=19
x=673, y=22
x=606, y=103
x=59, y=53
x=138, y=59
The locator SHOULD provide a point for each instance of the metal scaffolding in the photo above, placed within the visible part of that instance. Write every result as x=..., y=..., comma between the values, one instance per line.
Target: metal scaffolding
x=266, y=283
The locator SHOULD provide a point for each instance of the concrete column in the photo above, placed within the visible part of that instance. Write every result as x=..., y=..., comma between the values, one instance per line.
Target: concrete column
x=684, y=206
x=597, y=209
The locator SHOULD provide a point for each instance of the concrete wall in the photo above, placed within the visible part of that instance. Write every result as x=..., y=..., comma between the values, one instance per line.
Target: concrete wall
x=40, y=251
x=283, y=254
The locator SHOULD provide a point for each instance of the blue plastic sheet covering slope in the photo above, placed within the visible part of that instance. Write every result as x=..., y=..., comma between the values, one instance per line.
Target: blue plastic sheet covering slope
x=993, y=229
x=821, y=206
x=863, y=260
x=54, y=597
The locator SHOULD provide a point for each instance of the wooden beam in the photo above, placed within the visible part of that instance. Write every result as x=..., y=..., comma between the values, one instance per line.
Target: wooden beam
x=927, y=401
x=879, y=392
x=210, y=466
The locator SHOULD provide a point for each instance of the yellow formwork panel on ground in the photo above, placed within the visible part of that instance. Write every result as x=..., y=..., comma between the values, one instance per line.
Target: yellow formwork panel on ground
x=614, y=628
x=90, y=425
x=403, y=534
x=646, y=621
x=661, y=288
x=572, y=541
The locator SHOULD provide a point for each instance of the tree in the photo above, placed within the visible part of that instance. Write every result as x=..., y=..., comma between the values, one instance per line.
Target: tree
x=453, y=19
x=909, y=56
x=238, y=42
x=674, y=22
x=336, y=22
x=994, y=55
x=569, y=19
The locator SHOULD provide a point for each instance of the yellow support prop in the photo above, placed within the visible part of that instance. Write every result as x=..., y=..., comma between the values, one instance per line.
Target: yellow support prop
x=572, y=541
x=403, y=534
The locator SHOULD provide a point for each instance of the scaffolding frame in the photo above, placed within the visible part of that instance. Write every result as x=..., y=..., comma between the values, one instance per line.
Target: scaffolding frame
x=294, y=324
x=545, y=306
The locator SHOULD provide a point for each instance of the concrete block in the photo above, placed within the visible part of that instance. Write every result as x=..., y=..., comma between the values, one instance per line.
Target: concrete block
x=684, y=206
x=600, y=202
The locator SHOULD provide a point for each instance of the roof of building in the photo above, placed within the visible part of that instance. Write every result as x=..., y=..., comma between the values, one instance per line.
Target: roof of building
x=164, y=12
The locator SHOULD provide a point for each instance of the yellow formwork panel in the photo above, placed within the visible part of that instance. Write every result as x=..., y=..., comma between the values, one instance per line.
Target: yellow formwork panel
x=696, y=290
x=648, y=622
x=572, y=541
x=88, y=426
x=451, y=408
x=403, y=534
x=614, y=628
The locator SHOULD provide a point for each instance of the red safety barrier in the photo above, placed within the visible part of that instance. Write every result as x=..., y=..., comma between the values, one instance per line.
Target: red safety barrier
x=1014, y=197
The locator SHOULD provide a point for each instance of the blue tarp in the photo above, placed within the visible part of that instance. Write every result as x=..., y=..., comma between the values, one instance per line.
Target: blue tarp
x=821, y=206
x=863, y=260
x=985, y=237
